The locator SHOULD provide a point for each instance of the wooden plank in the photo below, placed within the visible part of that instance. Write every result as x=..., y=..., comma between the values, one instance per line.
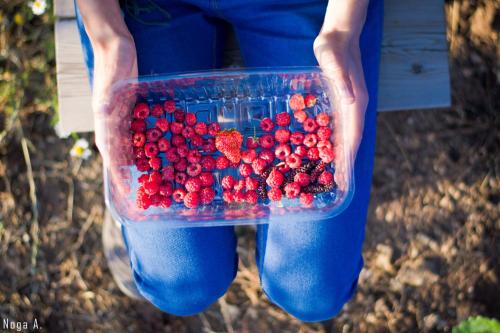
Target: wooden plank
x=64, y=9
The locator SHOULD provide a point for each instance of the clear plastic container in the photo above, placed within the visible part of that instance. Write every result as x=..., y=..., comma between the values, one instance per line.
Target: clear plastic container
x=236, y=100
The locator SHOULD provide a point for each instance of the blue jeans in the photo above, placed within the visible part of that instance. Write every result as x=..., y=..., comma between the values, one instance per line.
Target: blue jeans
x=309, y=269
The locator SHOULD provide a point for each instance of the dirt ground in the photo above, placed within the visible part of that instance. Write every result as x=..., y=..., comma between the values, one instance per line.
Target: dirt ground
x=432, y=238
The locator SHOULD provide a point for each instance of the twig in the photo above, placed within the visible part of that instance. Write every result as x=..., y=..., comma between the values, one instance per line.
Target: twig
x=398, y=144
x=85, y=228
x=71, y=196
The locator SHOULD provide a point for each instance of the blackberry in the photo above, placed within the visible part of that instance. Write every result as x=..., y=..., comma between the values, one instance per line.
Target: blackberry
x=306, y=167
x=262, y=187
x=318, y=169
x=318, y=188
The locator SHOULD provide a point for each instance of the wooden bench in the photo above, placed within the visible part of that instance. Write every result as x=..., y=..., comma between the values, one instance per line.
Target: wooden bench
x=413, y=74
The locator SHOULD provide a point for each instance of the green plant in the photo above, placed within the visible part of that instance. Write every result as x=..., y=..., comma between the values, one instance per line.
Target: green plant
x=478, y=324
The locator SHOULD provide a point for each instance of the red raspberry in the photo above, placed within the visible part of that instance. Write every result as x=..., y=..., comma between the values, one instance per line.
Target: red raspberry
x=194, y=169
x=301, y=151
x=310, y=101
x=142, y=164
x=248, y=156
x=143, y=200
x=323, y=119
x=300, y=116
x=266, y=141
x=201, y=128
x=138, y=125
x=213, y=129
x=293, y=161
x=206, y=179
x=274, y=194
x=282, y=135
x=176, y=127
x=251, y=184
x=324, y=144
x=296, y=102
x=179, y=115
x=141, y=111
x=228, y=196
x=194, y=156
x=275, y=178
x=283, y=167
x=155, y=163
x=324, y=133
x=155, y=199
x=239, y=185
x=239, y=196
x=197, y=141
x=178, y=195
x=209, y=145
x=139, y=152
x=310, y=125
x=143, y=178
x=180, y=178
x=306, y=199
x=245, y=170
x=327, y=155
x=166, y=189
x=153, y=134
x=267, y=155
x=138, y=139
x=193, y=184
x=227, y=182
x=259, y=165
x=251, y=197
x=208, y=163
x=191, y=200
x=222, y=162
x=165, y=202
x=266, y=124
x=282, y=151
x=313, y=154
x=292, y=190
x=169, y=106
x=181, y=165
x=157, y=111
x=302, y=178
x=310, y=140
x=163, y=145
x=151, y=149
x=296, y=138
x=282, y=119
x=183, y=151
x=207, y=195
x=171, y=155
x=151, y=187
x=191, y=119
x=168, y=173
x=155, y=177
x=252, y=143
x=325, y=178
x=188, y=132
x=178, y=140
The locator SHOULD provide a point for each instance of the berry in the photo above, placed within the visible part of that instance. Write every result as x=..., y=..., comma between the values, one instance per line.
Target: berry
x=168, y=173
x=228, y=196
x=181, y=165
x=180, y=178
x=190, y=119
x=138, y=139
x=310, y=101
x=213, y=129
x=171, y=155
x=138, y=152
x=300, y=116
x=176, y=127
x=179, y=115
x=251, y=197
x=166, y=189
x=142, y=164
x=157, y=111
x=163, y=145
x=178, y=140
x=227, y=182
x=252, y=143
x=209, y=145
x=327, y=155
x=240, y=185
x=292, y=190
x=318, y=168
x=282, y=151
x=239, y=196
x=151, y=149
x=324, y=144
x=296, y=102
x=153, y=134
x=274, y=194
x=143, y=200
x=155, y=163
x=194, y=156
x=275, y=178
x=208, y=163
x=183, y=151
x=222, y=162
x=165, y=201
x=325, y=178
x=141, y=111
x=188, y=132
x=293, y=161
x=301, y=151
x=313, y=154
x=251, y=184
x=297, y=138
x=282, y=119
x=318, y=188
x=283, y=167
x=197, y=141
x=248, y=156
x=151, y=187
x=169, y=106
x=266, y=141
x=201, y=128
x=207, y=195
x=228, y=142
x=310, y=140
x=306, y=199
x=191, y=200
x=267, y=125
x=324, y=133
x=282, y=135
x=267, y=155
x=302, y=178
x=193, y=184
x=143, y=178
x=206, y=179
x=193, y=169
x=155, y=177
x=323, y=119
x=245, y=170
x=178, y=195
x=310, y=125
x=259, y=165
x=138, y=125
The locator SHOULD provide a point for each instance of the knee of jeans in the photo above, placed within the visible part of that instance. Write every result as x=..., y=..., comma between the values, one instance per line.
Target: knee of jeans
x=310, y=301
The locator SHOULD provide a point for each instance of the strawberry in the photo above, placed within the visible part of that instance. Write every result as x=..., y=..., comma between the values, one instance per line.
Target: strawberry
x=228, y=142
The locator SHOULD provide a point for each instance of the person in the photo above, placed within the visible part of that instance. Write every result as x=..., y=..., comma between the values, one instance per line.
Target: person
x=309, y=268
